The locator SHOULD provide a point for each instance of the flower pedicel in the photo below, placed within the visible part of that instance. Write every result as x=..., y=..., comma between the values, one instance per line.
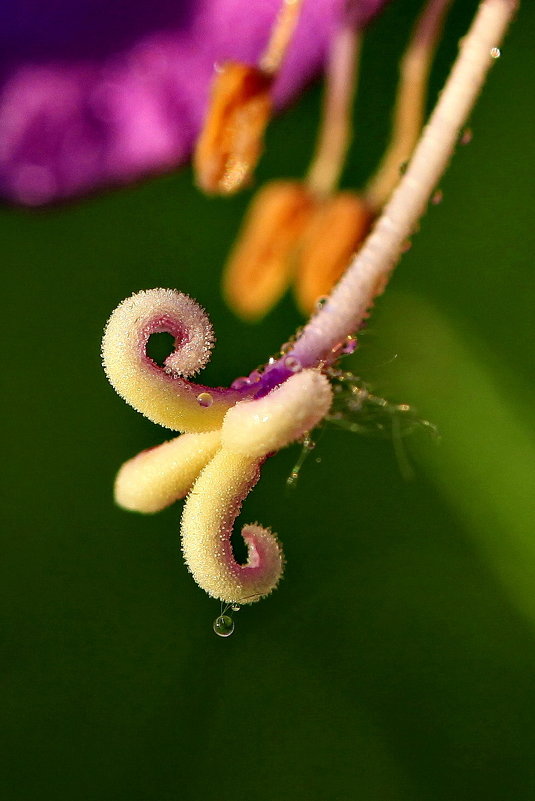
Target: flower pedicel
x=229, y=433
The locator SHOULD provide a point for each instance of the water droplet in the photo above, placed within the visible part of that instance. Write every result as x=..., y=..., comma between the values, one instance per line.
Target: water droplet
x=466, y=136
x=254, y=377
x=437, y=198
x=235, y=607
x=205, y=399
x=292, y=478
x=321, y=301
x=292, y=364
x=350, y=345
x=309, y=444
x=240, y=383
x=287, y=346
x=495, y=52
x=318, y=460
x=223, y=626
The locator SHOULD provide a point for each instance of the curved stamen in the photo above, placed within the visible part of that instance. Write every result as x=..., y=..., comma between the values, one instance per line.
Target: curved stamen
x=158, y=477
x=163, y=394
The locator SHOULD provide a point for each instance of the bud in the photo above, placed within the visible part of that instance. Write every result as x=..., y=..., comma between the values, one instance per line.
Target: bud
x=334, y=234
x=261, y=265
x=230, y=143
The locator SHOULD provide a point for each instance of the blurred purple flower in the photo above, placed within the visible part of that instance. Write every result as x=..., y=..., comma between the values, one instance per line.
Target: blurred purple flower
x=95, y=93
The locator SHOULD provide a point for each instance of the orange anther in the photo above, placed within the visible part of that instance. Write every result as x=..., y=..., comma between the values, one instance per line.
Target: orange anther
x=331, y=239
x=262, y=263
x=230, y=143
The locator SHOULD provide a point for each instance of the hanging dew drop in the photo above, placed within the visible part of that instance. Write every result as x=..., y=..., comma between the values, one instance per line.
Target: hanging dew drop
x=495, y=52
x=235, y=607
x=321, y=301
x=223, y=625
x=205, y=399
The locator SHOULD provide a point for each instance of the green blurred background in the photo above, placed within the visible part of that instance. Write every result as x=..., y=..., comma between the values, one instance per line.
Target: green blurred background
x=396, y=661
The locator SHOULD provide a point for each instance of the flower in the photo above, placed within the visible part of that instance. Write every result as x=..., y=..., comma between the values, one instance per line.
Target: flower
x=94, y=94
x=229, y=432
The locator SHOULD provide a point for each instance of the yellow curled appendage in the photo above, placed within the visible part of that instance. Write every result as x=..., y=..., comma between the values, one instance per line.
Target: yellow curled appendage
x=158, y=477
x=251, y=430
x=162, y=393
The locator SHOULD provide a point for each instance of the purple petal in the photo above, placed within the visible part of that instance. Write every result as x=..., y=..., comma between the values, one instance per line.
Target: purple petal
x=95, y=93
